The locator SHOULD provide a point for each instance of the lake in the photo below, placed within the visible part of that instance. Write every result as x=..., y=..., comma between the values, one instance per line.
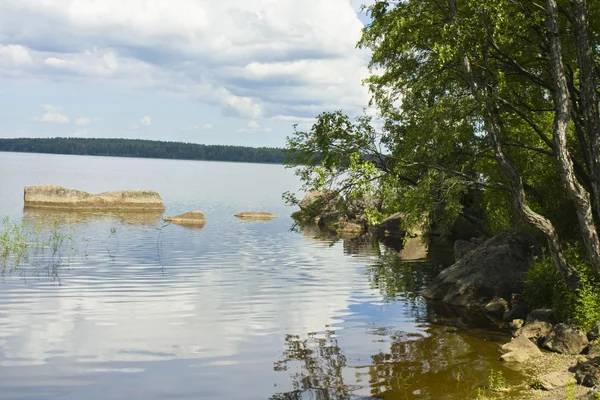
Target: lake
x=130, y=308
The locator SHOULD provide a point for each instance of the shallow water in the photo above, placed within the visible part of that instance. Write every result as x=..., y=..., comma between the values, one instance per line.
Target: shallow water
x=130, y=308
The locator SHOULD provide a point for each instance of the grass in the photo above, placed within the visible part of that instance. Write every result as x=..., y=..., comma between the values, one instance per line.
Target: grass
x=37, y=245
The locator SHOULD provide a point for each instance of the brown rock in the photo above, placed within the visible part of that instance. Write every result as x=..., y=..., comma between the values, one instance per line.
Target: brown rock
x=588, y=373
x=497, y=306
x=255, y=215
x=535, y=331
x=349, y=227
x=195, y=217
x=520, y=349
x=555, y=380
x=58, y=197
x=565, y=339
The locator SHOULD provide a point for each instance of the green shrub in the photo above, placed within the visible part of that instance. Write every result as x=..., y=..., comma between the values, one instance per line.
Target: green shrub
x=545, y=288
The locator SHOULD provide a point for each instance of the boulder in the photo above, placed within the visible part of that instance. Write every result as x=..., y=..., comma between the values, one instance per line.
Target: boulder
x=195, y=217
x=349, y=227
x=355, y=207
x=594, y=333
x=592, y=350
x=520, y=350
x=255, y=215
x=497, y=307
x=392, y=225
x=556, y=380
x=494, y=269
x=587, y=373
x=58, y=197
x=541, y=314
x=462, y=247
x=535, y=331
x=565, y=339
x=321, y=207
x=516, y=324
x=518, y=308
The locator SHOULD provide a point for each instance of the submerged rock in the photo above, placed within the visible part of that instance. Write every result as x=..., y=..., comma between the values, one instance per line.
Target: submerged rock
x=255, y=215
x=195, y=217
x=58, y=197
x=565, y=339
x=494, y=269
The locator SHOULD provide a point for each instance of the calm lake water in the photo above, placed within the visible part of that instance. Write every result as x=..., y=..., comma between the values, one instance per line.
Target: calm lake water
x=131, y=309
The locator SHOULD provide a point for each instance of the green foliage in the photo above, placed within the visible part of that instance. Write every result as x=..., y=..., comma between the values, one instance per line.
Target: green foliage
x=545, y=287
x=496, y=380
x=145, y=149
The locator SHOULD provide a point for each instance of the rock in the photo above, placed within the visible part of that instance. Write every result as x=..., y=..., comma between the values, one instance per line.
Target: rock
x=462, y=247
x=520, y=350
x=594, y=333
x=355, y=208
x=536, y=331
x=518, y=308
x=195, y=217
x=516, y=324
x=565, y=339
x=592, y=350
x=255, y=215
x=494, y=269
x=497, y=306
x=350, y=227
x=477, y=240
x=414, y=248
x=541, y=314
x=556, y=380
x=392, y=225
x=588, y=373
x=58, y=197
x=322, y=207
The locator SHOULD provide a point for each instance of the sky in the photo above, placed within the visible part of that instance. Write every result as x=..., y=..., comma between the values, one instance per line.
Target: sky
x=234, y=72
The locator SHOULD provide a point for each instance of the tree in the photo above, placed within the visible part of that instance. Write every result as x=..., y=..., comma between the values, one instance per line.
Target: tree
x=494, y=100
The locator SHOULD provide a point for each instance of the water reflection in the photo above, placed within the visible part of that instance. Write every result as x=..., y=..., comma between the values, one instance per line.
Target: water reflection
x=318, y=362
x=67, y=217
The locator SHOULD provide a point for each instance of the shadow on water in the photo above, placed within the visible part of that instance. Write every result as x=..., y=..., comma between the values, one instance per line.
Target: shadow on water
x=450, y=356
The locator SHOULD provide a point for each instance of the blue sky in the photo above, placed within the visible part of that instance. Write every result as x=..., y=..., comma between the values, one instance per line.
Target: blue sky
x=217, y=72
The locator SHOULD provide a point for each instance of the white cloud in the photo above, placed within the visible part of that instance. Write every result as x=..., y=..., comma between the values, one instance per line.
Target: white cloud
x=52, y=115
x=146, y=121
x=207, y=126
x=143, y=123
x=252, y=58
x=83, y=121
x=253, y=127
x=15, y=56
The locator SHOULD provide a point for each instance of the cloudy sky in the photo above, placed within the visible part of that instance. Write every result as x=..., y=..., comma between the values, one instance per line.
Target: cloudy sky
x=205, y=71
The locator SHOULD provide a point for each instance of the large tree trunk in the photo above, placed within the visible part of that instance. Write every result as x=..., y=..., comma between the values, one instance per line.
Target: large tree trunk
x=588, y=81
x=512, y=173
x=577, y=193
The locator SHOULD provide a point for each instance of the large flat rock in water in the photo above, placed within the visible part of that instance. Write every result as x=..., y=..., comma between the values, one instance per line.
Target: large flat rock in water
x=195, y=217
x=58, y=197
x=255, y=215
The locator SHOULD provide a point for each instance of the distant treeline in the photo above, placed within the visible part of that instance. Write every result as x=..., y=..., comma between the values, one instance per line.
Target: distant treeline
x=144, y=148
